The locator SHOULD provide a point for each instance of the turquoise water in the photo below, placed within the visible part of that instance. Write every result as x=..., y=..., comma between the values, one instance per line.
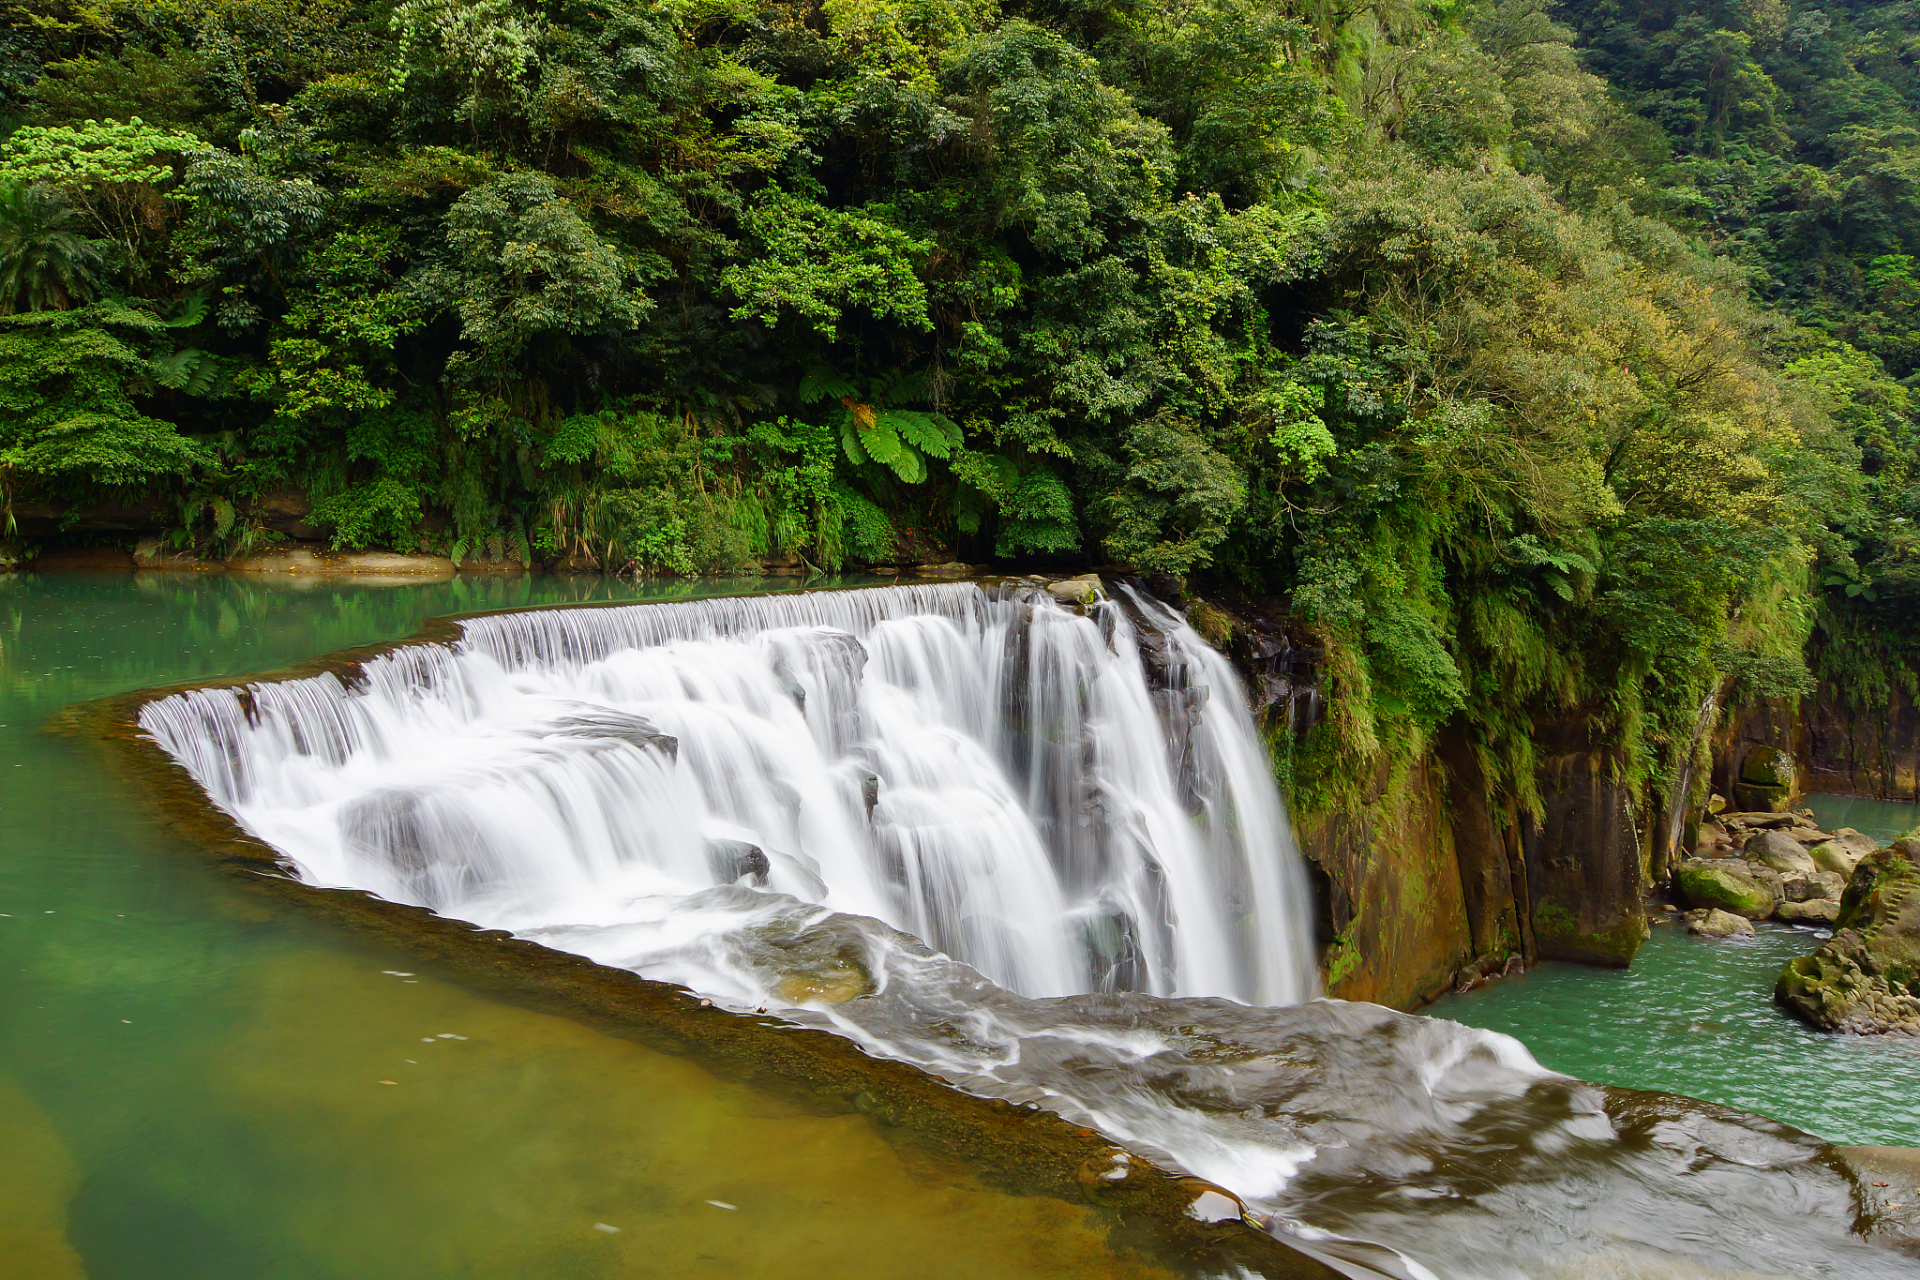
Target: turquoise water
x=1697, y=1018
x=1882, y=819
x=194, y=1086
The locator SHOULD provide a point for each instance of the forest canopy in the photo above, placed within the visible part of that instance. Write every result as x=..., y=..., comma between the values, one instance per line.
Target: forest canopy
x=1548, y=361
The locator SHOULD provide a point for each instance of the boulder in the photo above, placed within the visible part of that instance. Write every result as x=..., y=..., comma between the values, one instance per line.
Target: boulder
x=1716, y=803
x=1834, y=857
x=1812, y=911
x=1766, y=782
x=1854, y=842
x=1707, y=885
x=1084, y=589
x=1866, y=978
x=1780, y=851
x=735, y=860
x=1714, y=923
x=1799, y=886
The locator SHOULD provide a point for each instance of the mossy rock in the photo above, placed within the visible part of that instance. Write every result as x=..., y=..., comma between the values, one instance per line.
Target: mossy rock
x=1768, y=767
x=1755, y=797
x=1866, y=978
x=1706, y=886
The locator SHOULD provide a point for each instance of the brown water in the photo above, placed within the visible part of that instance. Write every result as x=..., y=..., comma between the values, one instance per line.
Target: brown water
x=193, y=1085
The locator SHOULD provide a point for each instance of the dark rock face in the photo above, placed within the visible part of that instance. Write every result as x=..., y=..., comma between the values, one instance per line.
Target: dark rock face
x=1584, y=868
x=1866, y=978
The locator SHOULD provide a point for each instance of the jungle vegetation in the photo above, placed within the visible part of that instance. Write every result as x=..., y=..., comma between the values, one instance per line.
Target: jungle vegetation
x=1553, y=362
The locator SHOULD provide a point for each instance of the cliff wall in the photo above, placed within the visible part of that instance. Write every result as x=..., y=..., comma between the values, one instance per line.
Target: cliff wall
x=1434, y=879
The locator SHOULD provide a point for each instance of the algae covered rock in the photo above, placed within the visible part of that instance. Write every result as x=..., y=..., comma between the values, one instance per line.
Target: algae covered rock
x=1714, y=923
x=1766, y=782
x=1866, y=978
x=1704, y=883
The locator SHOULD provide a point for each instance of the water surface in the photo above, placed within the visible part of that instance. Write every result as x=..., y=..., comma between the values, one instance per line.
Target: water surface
x=1697, y=1017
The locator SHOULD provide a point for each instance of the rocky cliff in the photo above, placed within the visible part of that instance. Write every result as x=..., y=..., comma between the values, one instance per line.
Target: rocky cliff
x=1433, y=879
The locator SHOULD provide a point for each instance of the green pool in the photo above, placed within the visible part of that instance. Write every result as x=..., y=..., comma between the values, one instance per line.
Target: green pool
x=1698, y=1018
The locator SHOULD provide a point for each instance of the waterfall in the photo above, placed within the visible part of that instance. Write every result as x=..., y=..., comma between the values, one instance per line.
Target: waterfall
x=1032, y=850
x=1000, y=776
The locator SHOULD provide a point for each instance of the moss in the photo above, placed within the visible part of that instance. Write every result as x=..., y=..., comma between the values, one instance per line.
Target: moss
x=1727, y=890
x=1560, y=935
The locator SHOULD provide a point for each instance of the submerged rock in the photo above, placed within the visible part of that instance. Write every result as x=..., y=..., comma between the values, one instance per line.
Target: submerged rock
x=1714, y=923
x=1866, y=978
x=735, y=860
x=1727, y=885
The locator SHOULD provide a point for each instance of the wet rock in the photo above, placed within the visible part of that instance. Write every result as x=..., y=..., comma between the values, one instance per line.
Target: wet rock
x=1707, y=885
x=1811, y=911
x=869, y=791
x=1798, y=886
x=734, y=860
x=1778, y=850
x=1886, y=1188
x=1714, y=923
x=1866, y=978
x=1084, y=589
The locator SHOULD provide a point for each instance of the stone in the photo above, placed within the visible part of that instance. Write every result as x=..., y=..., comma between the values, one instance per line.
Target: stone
x=1759, y=820
x=1865, y=978
x=1706, y=885
x=1716, y=803
x=1714, y=923
x=1809, y=836
x=1800, y=886
x=1811, y=911
x=367, y=564
x=1084, y=589
x=1778, y=850
x=1832, y=856
x=1886, y=1189
x=734, y=860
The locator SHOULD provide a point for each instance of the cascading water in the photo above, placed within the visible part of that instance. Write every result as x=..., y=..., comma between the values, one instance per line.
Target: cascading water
x=777, y=800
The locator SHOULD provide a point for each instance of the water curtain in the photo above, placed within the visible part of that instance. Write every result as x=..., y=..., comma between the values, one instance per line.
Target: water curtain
x=1067, y=801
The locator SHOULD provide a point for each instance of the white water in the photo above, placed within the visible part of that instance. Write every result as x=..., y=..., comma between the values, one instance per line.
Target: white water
x=734, y=794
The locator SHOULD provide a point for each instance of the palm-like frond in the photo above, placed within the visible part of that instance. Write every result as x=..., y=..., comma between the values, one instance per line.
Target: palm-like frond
x=45, y=265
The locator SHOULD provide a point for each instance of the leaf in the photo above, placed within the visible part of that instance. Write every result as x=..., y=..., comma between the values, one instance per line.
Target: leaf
x=931, y=433
x=821, y=382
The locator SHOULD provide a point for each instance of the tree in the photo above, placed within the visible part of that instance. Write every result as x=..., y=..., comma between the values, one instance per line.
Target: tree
x=45, y=265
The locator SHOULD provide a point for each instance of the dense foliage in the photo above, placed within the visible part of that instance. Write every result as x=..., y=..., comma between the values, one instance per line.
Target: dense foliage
x=1551, y=364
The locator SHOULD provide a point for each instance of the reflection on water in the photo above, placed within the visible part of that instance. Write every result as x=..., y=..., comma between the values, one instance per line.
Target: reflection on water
x=1697, y=1017
x=194, y=1086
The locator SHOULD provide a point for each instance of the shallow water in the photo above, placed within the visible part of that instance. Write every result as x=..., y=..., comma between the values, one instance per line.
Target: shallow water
x=194, y=1086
